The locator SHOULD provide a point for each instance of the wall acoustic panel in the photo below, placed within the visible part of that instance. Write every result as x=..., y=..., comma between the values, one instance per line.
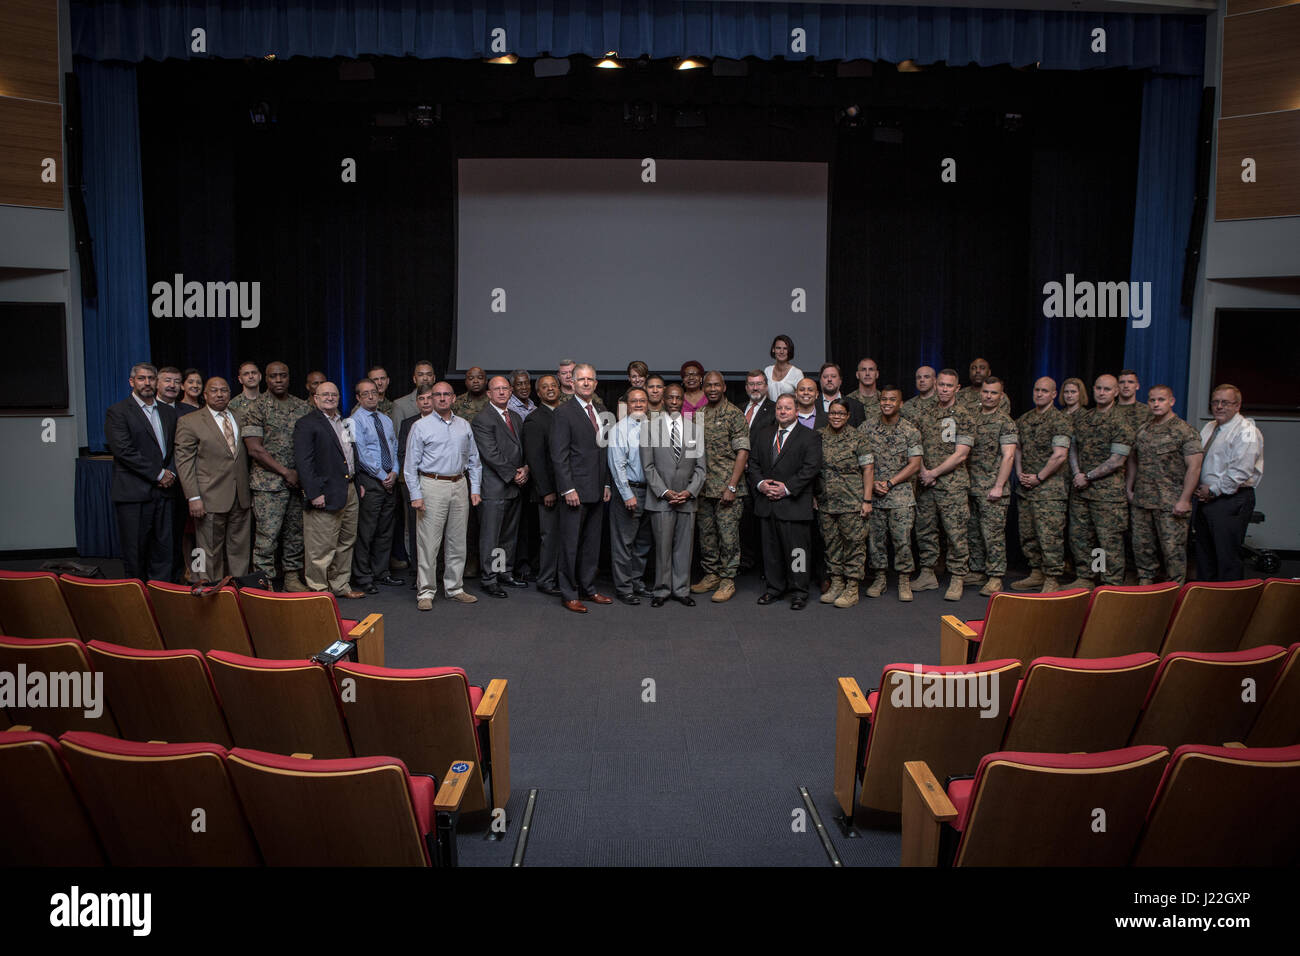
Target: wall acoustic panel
x=1250, y=6
x=29, y=49
x=33, y=132
x=1260, y=72
x=1271, y=141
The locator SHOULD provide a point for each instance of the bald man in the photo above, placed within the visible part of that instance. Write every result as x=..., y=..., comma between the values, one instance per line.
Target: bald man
x=499, y=435
x=1099, y=509
x=327, y=471
x=926, y=394
x=1040, y=472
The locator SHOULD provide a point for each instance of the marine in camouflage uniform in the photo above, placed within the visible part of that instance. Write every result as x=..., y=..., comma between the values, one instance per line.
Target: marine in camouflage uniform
x=1099, y=512
x=894, y=513
x=917, y=405
x=987, y=529
x=870, y=405
x=468, y=406
x=1042, y=508
x=277, y=508
x=839, y=492
x=1138, y=414
x=239, y=407
x=1160, y=452
x=725, y=436
x=385, y=406
x=969, y=399
x=945, y=502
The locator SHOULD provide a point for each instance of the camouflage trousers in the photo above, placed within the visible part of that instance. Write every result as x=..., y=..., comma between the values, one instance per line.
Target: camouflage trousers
x=845, y=536
x=277, y=519
x=951, y=510
x=1093, y=525
x=719, y=527
x=1042, y=534
x=986, y=533
x=1156, y=534
x=896, y=523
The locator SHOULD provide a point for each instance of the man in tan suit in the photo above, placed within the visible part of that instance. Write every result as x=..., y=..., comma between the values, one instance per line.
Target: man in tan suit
x=213, y=468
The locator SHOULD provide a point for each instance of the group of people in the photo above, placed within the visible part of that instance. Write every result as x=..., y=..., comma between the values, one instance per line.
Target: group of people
x=511, y=481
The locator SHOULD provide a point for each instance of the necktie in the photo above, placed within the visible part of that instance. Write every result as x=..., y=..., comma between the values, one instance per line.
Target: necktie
x=1213, y=435
x=591, y=413
x=780, y=433
x=509, y=424
x=749, y=413
x=155, y=420
x=676, y=440
x=385, y=459
x=227, y=433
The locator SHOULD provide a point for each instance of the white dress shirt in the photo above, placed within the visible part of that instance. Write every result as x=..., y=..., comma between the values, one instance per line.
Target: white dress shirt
x=1235, y=459
x=155, y=420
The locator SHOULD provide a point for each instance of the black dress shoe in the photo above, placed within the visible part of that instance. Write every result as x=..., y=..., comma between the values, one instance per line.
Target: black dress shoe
x=639, y=589
x=552, y=592
x=630, y=599
x=495, y=590
x=688, y=600
x=391, y=581
x=767, y=597
x=510, y=582
x=798, y=604
x=371, y=589
x=657, y=602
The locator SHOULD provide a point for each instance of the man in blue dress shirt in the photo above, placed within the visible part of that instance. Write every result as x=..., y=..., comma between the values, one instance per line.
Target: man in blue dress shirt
x=630, y=535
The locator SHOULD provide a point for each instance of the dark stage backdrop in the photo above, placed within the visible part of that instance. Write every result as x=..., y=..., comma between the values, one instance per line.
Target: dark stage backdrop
x=919, y=271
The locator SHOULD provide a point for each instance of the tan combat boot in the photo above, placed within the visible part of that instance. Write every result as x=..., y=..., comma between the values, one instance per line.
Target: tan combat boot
x=707, y=583
x=975, y=577
x=925, y=581
x=1031, y=583
x=726, y=588
x=904, y=588
x=954, y=591
x=992, y=587
x=878, y=585
x=837, y=585
x=1080, y=583
x=849, y=596
x=1049, y=585
x=293, y=581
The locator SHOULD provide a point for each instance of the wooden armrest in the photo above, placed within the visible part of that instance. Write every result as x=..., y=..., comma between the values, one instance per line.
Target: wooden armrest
x=369, y=635
x=954, y=639
x=19, y=728
x=925, y=809
x=851, y=721
x=853, y=695
x=1234, y=744
x=493, y=695
x=157, y=741
x=301, y=756
x=452, y=790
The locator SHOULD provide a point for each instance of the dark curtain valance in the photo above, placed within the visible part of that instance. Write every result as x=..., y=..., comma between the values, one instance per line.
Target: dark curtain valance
x=135, y=30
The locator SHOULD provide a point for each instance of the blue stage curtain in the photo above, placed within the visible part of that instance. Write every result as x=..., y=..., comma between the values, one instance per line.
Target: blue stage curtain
x=1166, y=188
x=115, y=327
x=135, y=30
x=96, y=518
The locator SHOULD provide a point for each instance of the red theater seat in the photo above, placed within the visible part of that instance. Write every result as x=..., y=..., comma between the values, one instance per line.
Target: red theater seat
x=212, y=622
x=1016, y=626
x=301, y=625
x=42, y=819
x=1278, y=724
x=66, y=677
x=116, y=611
x=1211, y=616
x=1276, y=618
x=1125, y=619
x=32, y=605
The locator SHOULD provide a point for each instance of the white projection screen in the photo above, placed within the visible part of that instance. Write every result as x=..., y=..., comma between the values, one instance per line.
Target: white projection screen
x=594, y=264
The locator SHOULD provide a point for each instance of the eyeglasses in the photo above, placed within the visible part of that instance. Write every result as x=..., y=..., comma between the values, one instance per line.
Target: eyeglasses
x=1223, y=402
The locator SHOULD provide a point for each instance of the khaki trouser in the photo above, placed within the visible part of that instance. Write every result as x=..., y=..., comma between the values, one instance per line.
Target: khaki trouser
x=446, y=512
x=327, y=539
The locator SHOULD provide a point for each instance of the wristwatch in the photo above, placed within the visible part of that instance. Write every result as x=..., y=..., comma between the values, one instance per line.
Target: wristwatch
x=731, y=488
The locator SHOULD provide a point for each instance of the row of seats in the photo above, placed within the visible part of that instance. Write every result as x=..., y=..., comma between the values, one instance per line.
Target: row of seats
x=1112, y=621
x=88, y=800
x=950, y=717
x=160, y=615
x=426, y=717
x=1202, y=806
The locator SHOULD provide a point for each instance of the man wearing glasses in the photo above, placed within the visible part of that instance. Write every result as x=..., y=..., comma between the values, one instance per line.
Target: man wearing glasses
x=1230, y=472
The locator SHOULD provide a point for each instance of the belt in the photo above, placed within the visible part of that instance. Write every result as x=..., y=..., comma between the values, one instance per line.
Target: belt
x=429, y=474
x=636, y=484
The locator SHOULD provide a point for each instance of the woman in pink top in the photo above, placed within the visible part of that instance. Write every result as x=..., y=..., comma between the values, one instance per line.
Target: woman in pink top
x=692, y=387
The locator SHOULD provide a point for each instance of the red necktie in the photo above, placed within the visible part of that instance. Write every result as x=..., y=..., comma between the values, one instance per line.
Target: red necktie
x=778, y=441
x=749, y=413
x=591, y=413
x=509, y=424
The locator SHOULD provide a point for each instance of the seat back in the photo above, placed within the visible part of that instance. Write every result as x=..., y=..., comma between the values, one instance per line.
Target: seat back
x=1211, y=616
x=1224, y=806
x=1279, y=719
x=116, y=611
x=1276, y=617
x=1067, y=705
x=1125, y=619
x=283, y=707
x=42, y=820
x=160, y=695
x=160, y=804
x=356, y=812
x=209, y=623
x=1039, y=809
x=32, y=605
x=934, y=714
x=54, y=686
x=1207, y=697
x=423, y=717
x=290, y=626
x=1025, y=626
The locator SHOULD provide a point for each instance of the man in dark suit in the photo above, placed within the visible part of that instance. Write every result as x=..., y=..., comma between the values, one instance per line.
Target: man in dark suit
x=758, y=411
x=582, y=477
x=541, y=485
x=498, y=433
x=784, y=460
x=212, y=464
x=830, y=380
x=141, y=434
x=327, y=472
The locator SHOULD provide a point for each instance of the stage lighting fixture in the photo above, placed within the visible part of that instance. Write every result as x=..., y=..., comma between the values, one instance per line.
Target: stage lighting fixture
x=508, y=60
x=910, y=66
x=640, y=115
x=724, y=67
x=850, y=117
x=550, y=66
x=691, y=63
x=610, y=62
x=269, y=58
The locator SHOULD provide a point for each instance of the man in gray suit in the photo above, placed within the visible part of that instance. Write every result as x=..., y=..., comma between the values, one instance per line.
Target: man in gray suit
x=498, y=433
x=673, y=461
